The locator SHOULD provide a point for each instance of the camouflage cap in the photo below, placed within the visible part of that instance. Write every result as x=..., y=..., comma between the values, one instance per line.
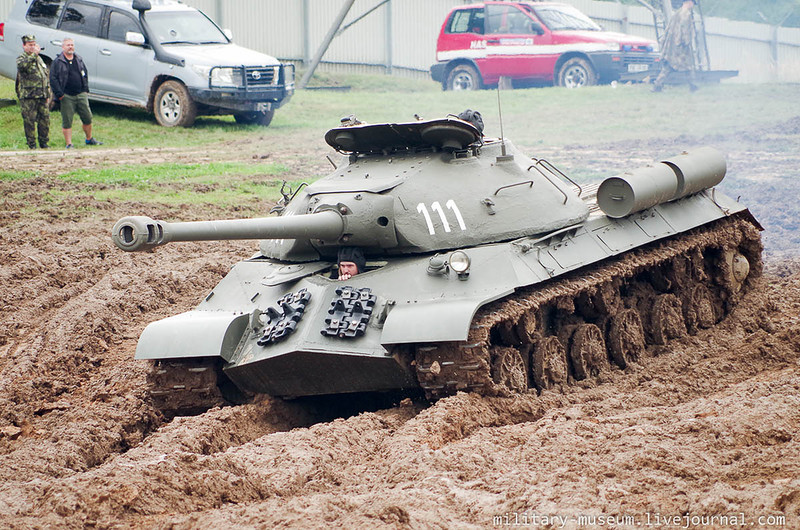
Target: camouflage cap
x=28, y=38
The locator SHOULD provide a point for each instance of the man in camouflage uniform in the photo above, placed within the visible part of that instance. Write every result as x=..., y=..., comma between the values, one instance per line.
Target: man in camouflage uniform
x=676, y=47
x=33, y=90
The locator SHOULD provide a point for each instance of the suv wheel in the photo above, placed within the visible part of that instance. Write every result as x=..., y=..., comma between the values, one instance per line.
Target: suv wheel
x=576, y=72
x=463, y=77
x=173, y=106
x=262, y=118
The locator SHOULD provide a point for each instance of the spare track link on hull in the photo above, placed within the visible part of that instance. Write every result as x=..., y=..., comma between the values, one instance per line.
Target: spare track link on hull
x=574, y=327
x=184, y=386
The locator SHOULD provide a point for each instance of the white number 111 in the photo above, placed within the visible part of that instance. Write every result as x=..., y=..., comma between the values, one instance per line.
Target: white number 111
x=436, y=207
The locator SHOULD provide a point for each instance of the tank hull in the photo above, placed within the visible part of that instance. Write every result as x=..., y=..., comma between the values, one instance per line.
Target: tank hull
x=420, y=324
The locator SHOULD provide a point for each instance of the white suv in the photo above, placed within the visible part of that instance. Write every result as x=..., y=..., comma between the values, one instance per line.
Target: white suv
x=166, y=57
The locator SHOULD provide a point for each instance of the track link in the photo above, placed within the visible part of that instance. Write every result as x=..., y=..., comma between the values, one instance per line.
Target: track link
x=645, y=297
x=185, y=386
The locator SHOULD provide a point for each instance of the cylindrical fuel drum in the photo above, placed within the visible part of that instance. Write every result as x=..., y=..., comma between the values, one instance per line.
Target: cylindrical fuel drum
x=668, y=180
x=701, y=169
x=637, y=190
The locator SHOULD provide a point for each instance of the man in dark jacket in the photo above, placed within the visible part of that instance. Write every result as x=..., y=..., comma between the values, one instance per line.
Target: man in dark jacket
x=70, y=83
x=33, y=89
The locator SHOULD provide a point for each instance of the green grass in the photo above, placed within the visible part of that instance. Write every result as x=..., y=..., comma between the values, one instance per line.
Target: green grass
x=170, y=184
x=156, y=174
x=17, y=175
x=184, y=183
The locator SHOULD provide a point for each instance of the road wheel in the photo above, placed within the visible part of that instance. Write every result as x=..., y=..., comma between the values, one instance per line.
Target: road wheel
x=463, y=77
x=173, y=106
x=549, y=363
x=575, y=73
x=666, y=319
x=588, y=352
x=698, y=309
x=626, y=338
x=263, y=118
x=508, y=369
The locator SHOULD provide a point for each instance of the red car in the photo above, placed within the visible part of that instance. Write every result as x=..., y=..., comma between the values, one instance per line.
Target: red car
x=534, y=43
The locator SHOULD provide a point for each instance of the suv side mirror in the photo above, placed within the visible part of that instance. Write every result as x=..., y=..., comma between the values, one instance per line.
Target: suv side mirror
x=141, y=5
x=537, y=28
x=134, y=38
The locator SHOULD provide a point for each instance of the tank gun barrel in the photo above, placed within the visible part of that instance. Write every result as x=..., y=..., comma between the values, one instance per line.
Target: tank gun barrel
x=143, y=233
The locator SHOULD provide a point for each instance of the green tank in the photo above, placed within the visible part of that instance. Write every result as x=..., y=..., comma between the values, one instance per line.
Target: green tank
x=486, y=270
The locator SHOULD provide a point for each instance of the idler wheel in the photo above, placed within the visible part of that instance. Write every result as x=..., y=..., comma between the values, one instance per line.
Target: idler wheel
x=699, y=309
x=738, y=268
x=626, y=338
x=587, y=351
x=549, y=363
x=508, y=369
x=666, y=319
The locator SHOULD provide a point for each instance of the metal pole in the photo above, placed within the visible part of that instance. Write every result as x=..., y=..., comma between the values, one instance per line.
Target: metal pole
x=358, y=18
x=774, y=45
x=388, y=32
x=218, y=13
x=326, y=42
x=705, y=40
x=306, y=34
x=666, y=7
x=626, y=13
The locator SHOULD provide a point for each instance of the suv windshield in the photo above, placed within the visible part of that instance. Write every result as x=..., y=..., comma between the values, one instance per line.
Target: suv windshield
x=565, y=18
x=45, y=12
x=186, y=27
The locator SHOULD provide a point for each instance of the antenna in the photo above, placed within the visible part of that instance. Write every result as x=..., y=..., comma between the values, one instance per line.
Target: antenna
x=503, y=157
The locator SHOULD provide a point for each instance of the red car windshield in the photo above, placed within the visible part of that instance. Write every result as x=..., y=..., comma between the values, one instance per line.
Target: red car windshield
x=563, y=17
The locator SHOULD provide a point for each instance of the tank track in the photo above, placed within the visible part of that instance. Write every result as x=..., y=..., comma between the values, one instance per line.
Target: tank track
x=184, y=386
x=573, y=328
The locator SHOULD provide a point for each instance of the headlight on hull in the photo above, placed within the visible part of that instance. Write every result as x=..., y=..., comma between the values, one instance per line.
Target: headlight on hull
x=459, y=262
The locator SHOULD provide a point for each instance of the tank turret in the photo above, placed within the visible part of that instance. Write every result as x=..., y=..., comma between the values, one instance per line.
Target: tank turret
x=406, y=188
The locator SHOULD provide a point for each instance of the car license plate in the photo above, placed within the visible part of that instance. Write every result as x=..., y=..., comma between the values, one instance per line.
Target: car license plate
x=638, y=67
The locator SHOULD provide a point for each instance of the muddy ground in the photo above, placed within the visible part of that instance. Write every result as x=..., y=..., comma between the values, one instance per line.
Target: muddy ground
x=703, y=428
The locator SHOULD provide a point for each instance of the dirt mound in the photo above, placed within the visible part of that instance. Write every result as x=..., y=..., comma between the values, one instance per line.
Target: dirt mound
x=705, y=426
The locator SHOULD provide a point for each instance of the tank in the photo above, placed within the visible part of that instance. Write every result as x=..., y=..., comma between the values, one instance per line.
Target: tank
x=486, y=270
